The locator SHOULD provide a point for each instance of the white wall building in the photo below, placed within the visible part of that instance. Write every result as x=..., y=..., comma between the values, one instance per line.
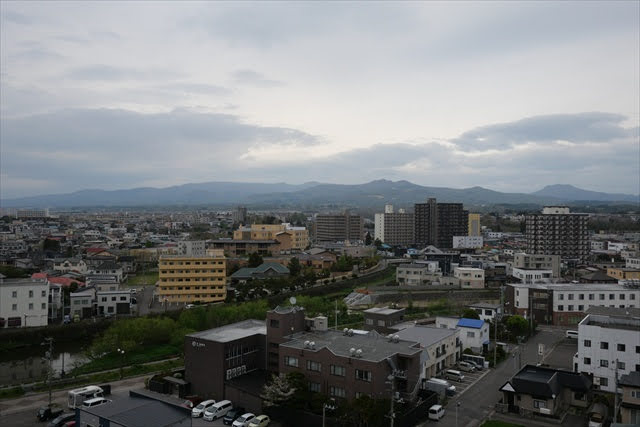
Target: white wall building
x=486, y=311
x=24, y=302
x=441, y=347
x=474, y=333
x=415, y=274
x=531, y=276
x=632, y=263
x=71, y=264
x=467, y=242
x=469, y=277
x=608, y=339
x=114, y=302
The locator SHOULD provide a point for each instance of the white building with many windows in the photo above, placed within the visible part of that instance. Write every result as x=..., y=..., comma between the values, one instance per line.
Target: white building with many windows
x=23, y=302
x=608, y=342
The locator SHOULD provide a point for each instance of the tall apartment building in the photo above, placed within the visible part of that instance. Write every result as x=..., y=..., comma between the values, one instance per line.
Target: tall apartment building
x=526, y=261
x=437, y=223
x=557, y=231
x=394, y=228
x=333, y=228
x=195, y=248
x=474, y=225
x=185, y=279
x=239, y=215
x=608, y=342
x=296, y=239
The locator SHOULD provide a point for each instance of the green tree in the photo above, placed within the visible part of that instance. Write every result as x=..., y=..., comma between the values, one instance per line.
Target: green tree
x=367, y=239
x=470, y=313
x=517, y=325
x=255, y=260
x=278, y=392
x=51, y=245
x=378, y=243
x=294, y=267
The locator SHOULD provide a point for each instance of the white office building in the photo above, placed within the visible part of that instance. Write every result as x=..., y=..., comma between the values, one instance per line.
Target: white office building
x=608, y=342
x=23, y=302
x=467, y=242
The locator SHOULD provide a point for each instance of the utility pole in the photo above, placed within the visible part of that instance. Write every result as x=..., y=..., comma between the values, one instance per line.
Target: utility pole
x=49, y=355
x=336, y=313
x=495, y=321
x=392, y=414
x=615, y=393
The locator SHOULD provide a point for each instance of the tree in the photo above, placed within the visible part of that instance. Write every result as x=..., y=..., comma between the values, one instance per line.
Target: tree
x=378, y=243
x=367, y=239
x=517, y=325
x=255, y=260
x=470, y=313
x=294, y=267
x=51, y=245
x=278, y=392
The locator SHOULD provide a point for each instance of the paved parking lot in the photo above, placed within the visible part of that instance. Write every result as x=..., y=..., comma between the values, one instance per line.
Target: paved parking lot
x=561, y=355
x=469, y=379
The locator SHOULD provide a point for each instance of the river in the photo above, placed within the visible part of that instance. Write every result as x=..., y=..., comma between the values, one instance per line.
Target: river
x=28, y=365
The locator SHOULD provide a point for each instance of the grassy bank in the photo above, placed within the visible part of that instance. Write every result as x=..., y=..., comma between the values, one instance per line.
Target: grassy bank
x=496, y=423
x=86, y=331
x=137, y=357
x=140, y=279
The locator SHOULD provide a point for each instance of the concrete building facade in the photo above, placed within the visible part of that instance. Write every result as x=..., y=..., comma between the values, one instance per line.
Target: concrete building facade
x=394, y=228
x=437, y=223
x=24, y=302
x=334, y=228
x=186, y=279
x=557, y=231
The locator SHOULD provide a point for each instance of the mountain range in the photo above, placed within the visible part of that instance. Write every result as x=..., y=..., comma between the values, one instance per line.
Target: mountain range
x=371, y=194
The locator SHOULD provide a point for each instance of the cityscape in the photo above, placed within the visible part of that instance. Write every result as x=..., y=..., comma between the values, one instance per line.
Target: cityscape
x=351, y=214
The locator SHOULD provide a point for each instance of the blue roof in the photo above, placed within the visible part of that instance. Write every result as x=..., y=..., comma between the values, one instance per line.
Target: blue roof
x=471, y=323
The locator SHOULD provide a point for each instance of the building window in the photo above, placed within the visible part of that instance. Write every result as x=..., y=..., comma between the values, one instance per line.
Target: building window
x=581, y=296
x=291, y=361
x=601, y=296
x=561, y=297
x=604, y=382
x=570, y=307
x=604, y=345
x=313, y=366
x=369, y=321
x=581, y=307
x=632, y=296
x=622, y=347
x=43, y=306
x=30, y=306
x=30, y=294
x=591, y=297
x=274, y=323
x=360, y=394
x=471, y=334
x=14, y=294
x=14, y=307
x=638, y=349
x=340, y=371
x=43, y=294
x=104, y=299
x=621, y=366
x=571, y=297
x=587, y=343
x=587, y=361
x=611, y=296
x=561, y=308
x=314, y=387
x=123, y=298
x=604, y=363
x=621, y=296
x=363, y=375
x=539, y=404
x=337, y=392
x=635, y=394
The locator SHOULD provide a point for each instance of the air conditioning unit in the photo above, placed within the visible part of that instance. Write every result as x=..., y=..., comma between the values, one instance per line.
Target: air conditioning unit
x=546, y=411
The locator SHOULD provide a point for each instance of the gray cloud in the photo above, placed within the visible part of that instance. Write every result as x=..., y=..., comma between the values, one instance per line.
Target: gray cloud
x=196, y=88
x=107, y=72
x=15, y=17
x=576, y=128
x=253, y=78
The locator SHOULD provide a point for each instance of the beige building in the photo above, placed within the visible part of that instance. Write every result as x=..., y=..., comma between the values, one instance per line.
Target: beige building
x=624, y=273
x=186, y=279
x=630, y=407
x=469, y=277
x=474, y=224
x=526, y=261
x=290, y=238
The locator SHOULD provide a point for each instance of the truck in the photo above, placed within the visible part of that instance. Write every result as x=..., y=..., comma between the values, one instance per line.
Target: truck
x=442, y=387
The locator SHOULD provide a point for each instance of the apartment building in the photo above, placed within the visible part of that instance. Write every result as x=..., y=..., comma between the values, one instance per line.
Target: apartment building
x=486, y=311
x=526, y=261
x=442, y=347
x=234, y=248
x=467, y=242
x=475, y=229
x=608, y=343
x=113, y=302
x=415, y=274
x=624, y=273
x=394, y=228
x=192, y=248
x=23, y=302
x=186, y=279
x=437, y=223
x=566, y=304
x=557, y=231
x=382, y=319
x=341, y=227
x=474, y=333
x=470, y=278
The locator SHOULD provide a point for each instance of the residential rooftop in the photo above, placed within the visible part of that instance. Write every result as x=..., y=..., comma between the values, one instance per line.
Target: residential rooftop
x=233, y=332
x=572, y=286
x=383, y=310
x=425, y=335
x=484, y=305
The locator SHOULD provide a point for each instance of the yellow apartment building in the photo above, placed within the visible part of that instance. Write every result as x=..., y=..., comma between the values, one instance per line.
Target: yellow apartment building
x=624, y=273
x=186, y=279
x=474, y=224
x=298, y=241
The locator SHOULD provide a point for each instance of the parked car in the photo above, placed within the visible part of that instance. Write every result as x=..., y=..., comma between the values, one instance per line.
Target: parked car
x=218, y=410
x=198, y=411
x=466, y=366
x=436, y=412
x=260, y=421
x=66, y=319
x=232, y=415
x=96, y=401
x=48, y=412
x=452, y=374
x=244, y=420
x=62, y=419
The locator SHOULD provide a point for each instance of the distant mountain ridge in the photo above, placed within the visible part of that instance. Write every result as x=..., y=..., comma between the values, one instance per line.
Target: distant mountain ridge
x=371, y=194
x=569, y=192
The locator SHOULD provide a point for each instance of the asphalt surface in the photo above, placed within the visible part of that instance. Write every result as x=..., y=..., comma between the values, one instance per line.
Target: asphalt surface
x=477, y=401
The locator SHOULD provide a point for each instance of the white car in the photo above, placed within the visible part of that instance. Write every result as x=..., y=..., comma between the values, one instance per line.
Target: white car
x=244, y=420
x=260, y=421
x=436, y=412
x=466, y=366
x=198, y=411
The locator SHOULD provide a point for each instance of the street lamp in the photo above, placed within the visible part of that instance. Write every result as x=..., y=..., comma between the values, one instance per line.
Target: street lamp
x=121, y=353
x=326, y=406
x=457, y=406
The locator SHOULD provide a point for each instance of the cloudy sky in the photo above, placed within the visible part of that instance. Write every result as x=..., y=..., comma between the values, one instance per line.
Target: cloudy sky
x=508, y=96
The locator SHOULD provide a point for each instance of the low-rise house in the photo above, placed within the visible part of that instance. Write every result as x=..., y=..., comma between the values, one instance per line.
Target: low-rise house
x=110, y=268
x=442, y=347
x=113, y=302
x=382, y=319
x=536, y=390
x=23, y=302
x=82, y=303
x=263, y=271
x=416, y=274
x=486, y=311
x=70, y=264
x=470, y=278
x=630, y=406
x=474, y=333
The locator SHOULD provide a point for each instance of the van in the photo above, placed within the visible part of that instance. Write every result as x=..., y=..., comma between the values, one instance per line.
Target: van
x=96, y=401
x=572, y=334
x=436, y=412
x=452, y=374
x=218, y=410
x=440, y=386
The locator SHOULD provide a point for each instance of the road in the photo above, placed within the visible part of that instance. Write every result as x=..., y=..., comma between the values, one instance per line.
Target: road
x=478, y=401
